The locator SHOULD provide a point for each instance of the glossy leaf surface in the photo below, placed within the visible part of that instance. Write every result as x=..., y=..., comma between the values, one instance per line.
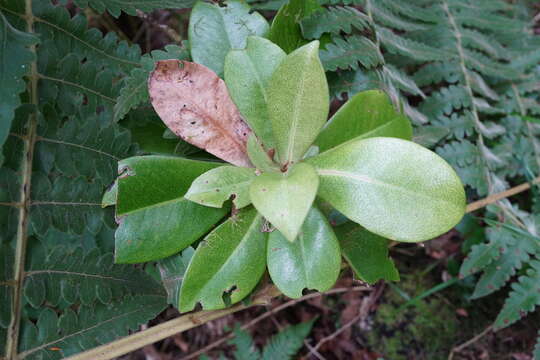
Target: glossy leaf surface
x=392, y=187
x=298, y=102
x=367, y=114
x=195, y=104
x=214, y=30
x=284, y=199
x=366, y=253
x=218, y=185
x=230, y=261
x=247, y=73
x=311, y=262
x=155, y=220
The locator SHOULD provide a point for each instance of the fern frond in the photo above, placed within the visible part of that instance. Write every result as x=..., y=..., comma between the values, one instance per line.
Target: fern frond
x=135, y=90
x=517, y=252
x=488, y=67
x=404, y=46
x=15, y=60
x=524, y=297
x=56, y=336
x=466, y=159
x=333, y=20
x=245, y=348
x=437, y=72
x=445, y=101
x=349, y=53
x=536, y=354
x=115, y=7
x=67, y=276
x=459, y=125
x=287, y=342
x=384, y=16
x=431, y=15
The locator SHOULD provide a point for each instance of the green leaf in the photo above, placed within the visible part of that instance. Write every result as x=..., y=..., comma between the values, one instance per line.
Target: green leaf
x=366, y=253
x=524, y=298
x=247, y=73
x=284, y=199
x=15, y=60
x=392, y=187
x=368, y=114
x=311, y=262
x=215, y=30
x=298, y=102
x=287, y=342
x=218, y=185
x=259, y=156
x=172, y=271
x=155, y=219
x=285, y=30
x=229, y=262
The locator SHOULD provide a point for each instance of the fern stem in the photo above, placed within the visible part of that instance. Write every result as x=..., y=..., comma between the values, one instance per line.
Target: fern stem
x=22, y=226
x=468, y=87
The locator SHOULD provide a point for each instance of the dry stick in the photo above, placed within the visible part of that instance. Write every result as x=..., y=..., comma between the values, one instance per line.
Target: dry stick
x=505, y=194
x=273, y=312
x=457, y=349
x=189, y=321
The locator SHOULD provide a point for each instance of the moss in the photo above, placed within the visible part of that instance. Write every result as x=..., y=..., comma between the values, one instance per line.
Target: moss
x=425, y=331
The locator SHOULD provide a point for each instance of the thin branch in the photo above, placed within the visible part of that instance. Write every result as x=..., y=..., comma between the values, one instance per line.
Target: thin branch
x=499, y=196
x=469, y=342
x=270, y=313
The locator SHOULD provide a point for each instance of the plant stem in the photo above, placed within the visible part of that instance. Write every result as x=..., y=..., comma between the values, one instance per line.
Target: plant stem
x=12, y=341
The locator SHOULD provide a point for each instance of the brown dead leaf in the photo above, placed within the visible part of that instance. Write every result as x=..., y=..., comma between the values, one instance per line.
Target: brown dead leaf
x=195, y=104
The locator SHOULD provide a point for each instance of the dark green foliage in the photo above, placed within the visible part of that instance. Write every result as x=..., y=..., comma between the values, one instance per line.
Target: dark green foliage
x=60, y=156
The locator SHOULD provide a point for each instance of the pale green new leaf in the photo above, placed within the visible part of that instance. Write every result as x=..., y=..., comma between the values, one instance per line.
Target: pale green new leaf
x=298, y=102
x=247, y=73
x=392, y=187
x=311, y=262
x=228, y=263
x=215, y=30
x=155, y=220
x=284, y=199
x=368, y=114
x=218, y=185
x=366, y=253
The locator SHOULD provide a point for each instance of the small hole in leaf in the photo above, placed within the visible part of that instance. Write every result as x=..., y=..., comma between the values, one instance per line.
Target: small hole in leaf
x=193, y=122
x=227, y=295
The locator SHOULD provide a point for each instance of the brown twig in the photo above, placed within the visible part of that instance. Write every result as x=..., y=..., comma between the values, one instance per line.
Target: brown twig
x=499, y=196
x=458, y=348
x=270, y=313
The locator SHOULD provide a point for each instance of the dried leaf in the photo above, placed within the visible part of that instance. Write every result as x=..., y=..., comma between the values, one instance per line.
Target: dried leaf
x=194, y=103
